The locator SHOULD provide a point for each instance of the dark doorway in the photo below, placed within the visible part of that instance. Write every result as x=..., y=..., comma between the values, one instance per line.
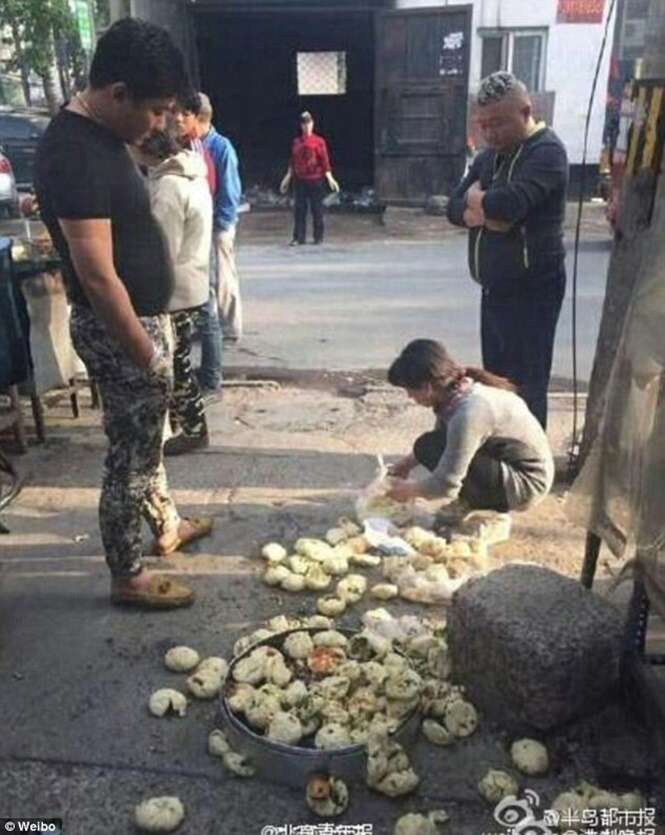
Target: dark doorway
x=248, y=66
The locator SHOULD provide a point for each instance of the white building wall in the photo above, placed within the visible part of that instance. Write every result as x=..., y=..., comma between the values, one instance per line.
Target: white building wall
x=571, y=56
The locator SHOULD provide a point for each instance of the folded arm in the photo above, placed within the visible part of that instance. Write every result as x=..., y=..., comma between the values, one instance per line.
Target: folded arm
x=542, y=172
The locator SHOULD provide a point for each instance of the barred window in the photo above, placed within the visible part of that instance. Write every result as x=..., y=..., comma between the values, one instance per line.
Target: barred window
x=321, y=73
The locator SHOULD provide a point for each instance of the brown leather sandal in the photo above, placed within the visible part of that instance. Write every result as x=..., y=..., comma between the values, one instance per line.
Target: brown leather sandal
x=200, y=526
x=160, y=593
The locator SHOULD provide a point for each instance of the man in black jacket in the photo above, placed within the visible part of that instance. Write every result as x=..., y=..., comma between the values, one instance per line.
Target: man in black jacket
x=513, y=202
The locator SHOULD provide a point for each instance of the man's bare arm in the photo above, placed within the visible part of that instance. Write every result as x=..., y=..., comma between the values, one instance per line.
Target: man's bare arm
x=91, y=249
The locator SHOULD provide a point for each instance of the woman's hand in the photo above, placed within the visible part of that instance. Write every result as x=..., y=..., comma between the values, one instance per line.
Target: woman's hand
x=402, y=490
x=402, y=468
x=286, y=182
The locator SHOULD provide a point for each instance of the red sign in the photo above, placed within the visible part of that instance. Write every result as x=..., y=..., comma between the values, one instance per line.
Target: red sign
x=580, y=11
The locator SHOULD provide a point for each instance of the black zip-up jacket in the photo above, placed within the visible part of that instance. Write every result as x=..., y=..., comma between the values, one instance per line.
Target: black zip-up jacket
x=526, y=188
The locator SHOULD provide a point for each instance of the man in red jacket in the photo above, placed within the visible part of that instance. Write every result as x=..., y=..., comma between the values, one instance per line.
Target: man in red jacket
x=309, y=168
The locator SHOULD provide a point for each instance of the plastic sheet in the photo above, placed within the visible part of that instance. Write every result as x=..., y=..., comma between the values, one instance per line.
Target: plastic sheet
x=620, y=492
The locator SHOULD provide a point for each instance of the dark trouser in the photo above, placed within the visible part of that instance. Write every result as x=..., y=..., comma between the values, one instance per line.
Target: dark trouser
x=483, y=487
x=518, y=339
x=186, y=406
x=308, y=193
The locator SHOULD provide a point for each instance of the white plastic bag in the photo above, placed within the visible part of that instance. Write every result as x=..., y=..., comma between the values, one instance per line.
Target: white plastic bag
x=372, y=503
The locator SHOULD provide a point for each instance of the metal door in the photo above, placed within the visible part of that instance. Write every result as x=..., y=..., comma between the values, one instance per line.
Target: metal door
x=422, y=76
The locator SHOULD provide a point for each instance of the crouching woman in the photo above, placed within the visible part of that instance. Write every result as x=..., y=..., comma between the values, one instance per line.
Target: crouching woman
x=487, y=449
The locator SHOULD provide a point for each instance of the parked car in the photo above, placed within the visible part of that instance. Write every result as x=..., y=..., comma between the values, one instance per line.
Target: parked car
x=20, y=132
x=8, y=192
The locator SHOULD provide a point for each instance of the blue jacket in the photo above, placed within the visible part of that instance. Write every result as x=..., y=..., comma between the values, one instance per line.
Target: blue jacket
x=229, y=188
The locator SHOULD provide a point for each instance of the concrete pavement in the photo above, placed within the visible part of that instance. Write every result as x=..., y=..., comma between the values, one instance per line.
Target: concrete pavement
x=76, y=673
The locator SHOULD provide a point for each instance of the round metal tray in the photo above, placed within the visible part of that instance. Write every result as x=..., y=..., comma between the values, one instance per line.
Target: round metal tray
x=292, y=765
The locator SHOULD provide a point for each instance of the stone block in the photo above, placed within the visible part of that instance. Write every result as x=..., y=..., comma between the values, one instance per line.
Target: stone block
x=534, y=648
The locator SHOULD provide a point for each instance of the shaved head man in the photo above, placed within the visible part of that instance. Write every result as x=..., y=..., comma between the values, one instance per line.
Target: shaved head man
x=513, y=202
x=504, y=111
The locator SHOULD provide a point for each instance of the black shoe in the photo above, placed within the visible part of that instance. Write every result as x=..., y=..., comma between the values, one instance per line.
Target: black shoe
x=295, y=242
x=180, y=444
x=317, y=243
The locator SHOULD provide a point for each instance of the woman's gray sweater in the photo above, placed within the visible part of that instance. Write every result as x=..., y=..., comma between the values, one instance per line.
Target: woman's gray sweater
x=501, y=422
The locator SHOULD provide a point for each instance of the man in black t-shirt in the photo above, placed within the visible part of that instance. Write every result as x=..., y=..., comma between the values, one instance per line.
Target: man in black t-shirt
x=119, y=280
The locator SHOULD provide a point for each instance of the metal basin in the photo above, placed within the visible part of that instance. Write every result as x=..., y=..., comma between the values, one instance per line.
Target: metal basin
x=293, y=765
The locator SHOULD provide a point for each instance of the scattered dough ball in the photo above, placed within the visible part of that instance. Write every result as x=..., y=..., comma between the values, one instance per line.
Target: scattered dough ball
x=374, y=674
x=298, y=645
x=240, y=697
x=276, y=575
x=295, y=694
x=384, y=591
x=327, y=796
x=167, y=701
x=330, y=638
x=273, y=552
x=261, y=710
x=530, y=756
x=316, y=578
x=218, y=744
x=569, y=804
x=417, y=537
x=359, y=734
x=299, y=564
x=395, y=663
x=632, y=801
x=461, y=718
x=276, y=671
x=336, y=565
x=333, y=687
x=285, y=727
x=352, y=588
x=438, y=816
x=358, y=544
x=351, y=670
x=398, y=783
x=415, y=824
x=399, y=708
x=238, y=764
x=436, y=733
x=204, y=685
x=213, y=665
x=315, y=549
x=365, y=560
x=159, y=814
x=496, y=785
x=294, y=582
x=318, y=622
x=280, y=623
x=332, y=736
x=335, y=536
x=403, y=686
x=331, y=606
x=324, y=660
x=181, y=659
x=363, y=703
x=250, y=670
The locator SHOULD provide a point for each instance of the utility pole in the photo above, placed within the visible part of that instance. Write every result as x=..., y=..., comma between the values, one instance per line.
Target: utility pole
x=639, y=195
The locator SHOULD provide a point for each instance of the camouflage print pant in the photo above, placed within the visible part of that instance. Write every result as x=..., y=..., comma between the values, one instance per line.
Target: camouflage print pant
x=134, y=404
x=186, y=408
